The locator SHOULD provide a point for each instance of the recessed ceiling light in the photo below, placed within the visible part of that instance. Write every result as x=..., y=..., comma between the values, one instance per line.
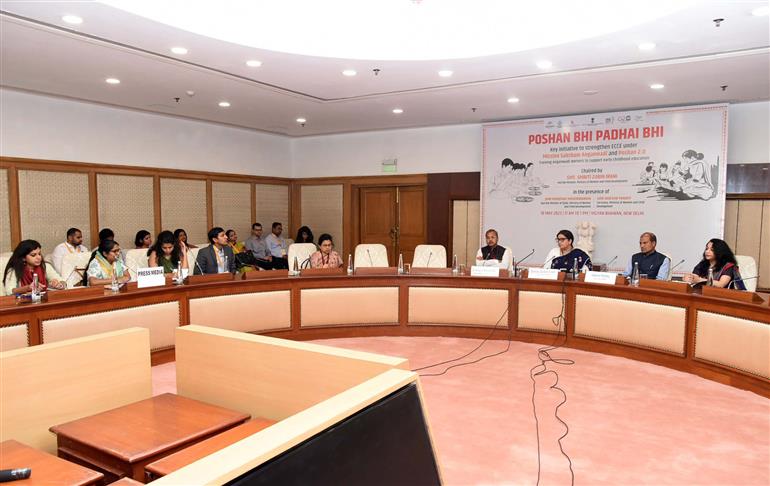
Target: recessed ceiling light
x=760, y=11
x=590, y=92
x=646, y=46
x=445, y=73
x=224, y=104
x=657, y=86
x=72, y=19
x=349, y=72
x=253, y=63
x=112, y=81
x=397, y=111
x=544, y=64
x=179, y=50
x=513, y=100
x=301, y=120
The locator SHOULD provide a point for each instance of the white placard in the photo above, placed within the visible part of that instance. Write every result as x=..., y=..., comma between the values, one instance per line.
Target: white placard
x=601, y=277
x=660, y=170
x=150, y=277
x=481, y=271
x=543, y=273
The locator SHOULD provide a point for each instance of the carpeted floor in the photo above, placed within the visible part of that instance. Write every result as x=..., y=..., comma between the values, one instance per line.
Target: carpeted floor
x=630, y=423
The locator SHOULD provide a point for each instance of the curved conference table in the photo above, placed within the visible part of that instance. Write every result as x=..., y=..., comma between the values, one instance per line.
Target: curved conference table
x=717, y=338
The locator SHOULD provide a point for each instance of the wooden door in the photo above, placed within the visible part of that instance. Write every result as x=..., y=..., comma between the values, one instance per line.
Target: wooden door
x=378, y=218
x=411, y=220
x=394, y=217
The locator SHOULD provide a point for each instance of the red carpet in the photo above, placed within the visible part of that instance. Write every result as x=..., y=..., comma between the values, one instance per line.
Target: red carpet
x=630, y=423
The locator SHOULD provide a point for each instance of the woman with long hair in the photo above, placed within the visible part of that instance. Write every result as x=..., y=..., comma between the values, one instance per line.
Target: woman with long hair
x=724, y=268
x=304, y=235
x=167, y=252
x=565, y=256
x=105, y=261
x=181, y=235
x=25, y=262
x=142, y=240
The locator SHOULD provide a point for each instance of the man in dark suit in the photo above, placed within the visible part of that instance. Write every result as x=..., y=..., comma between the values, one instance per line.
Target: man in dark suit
x=217, y=257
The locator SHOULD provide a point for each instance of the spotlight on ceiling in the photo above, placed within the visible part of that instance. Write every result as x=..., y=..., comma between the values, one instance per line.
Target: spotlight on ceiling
x=72, y=19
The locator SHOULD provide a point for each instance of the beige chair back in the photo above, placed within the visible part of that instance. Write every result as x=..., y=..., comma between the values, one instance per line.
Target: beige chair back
x=430, y=256
x=73, y=267
x=371, y=255
x=136, y=259
x=302, y=252
x=747, y=266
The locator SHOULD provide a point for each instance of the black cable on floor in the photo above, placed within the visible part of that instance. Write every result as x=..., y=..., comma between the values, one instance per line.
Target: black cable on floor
x=541, y=369
x=471, y=351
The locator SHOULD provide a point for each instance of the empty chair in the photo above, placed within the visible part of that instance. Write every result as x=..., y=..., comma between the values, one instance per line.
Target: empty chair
x=73, y=266
x=670, y=266
x=4, y=257
x=302, y=252
x=747, y=267
x=371, y=255
x=136, y=259
x=192, y=254
x=430, y=256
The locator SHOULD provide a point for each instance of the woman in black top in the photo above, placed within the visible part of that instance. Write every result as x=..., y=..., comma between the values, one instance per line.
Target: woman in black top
x=565, y=256
x=720, y=259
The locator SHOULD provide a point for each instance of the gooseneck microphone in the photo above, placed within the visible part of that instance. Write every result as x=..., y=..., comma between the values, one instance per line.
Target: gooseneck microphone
x=7, y=475
x=368, y=253
x=430, y=255
x=528, y=255
x=732, y=282
x=674, y=267
x=611, y=261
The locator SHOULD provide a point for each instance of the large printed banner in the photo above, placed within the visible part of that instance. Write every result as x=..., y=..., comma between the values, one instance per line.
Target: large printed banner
x=613, y=175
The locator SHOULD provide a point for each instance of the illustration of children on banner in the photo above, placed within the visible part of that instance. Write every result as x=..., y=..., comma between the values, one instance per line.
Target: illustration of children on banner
x=517, y=181
x=692, y=177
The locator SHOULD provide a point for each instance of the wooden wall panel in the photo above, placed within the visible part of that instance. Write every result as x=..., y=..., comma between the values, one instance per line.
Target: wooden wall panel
x=442, y=190
x=748, y=233
x=763, y=264
x=126, y=206
x=5, y=214
x=459, y=232
x=52, y=202
x=273, y=206
x=183, y=205
x=473, y=229
x=321, y=210
x=231, y=203
x=731, y=222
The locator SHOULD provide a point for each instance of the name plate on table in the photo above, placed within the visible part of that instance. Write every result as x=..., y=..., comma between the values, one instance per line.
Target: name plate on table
x=482, y=271
x=150, y=277
x=544, y=273
x=607, y=278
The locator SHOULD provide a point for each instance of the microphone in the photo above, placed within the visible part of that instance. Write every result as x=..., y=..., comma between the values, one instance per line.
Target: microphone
x=732, y=282
x=7, y=475
x=611, y=261
x=672, y=268
x=199, y=267
x=528, y=255
x=371, y=263
x=430, y=255
x=305, y=263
